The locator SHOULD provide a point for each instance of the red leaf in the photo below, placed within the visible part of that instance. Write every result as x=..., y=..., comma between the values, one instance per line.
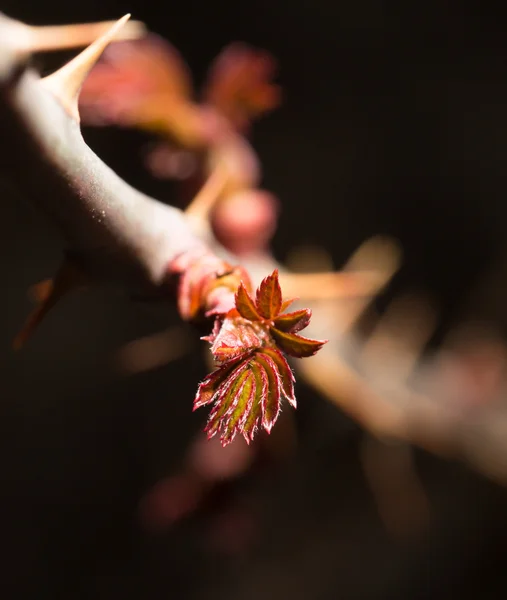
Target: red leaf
x=131, y=78
x=296, y=345
x=245, y=304
x=239, y=84
x=285, y=373
x=249, y=343
x=225, y=398
x=269, y=296
x=242, y=401
x=271, y=400
x=235, y=338
x=209, y=387
x=252, y=418
x=294, y=321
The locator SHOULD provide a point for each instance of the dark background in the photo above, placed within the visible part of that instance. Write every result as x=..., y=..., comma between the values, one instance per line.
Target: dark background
x=394, y=121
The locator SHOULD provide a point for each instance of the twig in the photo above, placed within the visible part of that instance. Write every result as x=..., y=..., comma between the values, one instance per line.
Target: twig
x=117, y=234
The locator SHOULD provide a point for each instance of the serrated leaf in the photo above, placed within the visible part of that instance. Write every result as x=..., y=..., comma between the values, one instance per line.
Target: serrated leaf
x=285, y=373
x=270, y=411
x=250, y=343
x=294, y=321
x=269, y=296
x=296, y=345
x=235, y=338
x=261, y=387
x=261, y=378
x=271, y=400
x=245, y=304
x=206, y=391
x=243, y=399
x=210, y=385
x=252, y=422
x=226, y=395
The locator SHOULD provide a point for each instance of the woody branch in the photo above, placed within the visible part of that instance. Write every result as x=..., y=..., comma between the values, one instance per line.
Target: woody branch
x=118, y=234
x=113, y=231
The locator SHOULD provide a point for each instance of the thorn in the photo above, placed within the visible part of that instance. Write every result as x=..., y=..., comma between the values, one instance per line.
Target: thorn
x=48, y=293
x=62, y=37
x=65, y=84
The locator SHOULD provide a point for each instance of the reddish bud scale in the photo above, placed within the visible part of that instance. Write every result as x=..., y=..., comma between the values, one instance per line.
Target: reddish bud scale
x=207, y=284
x=253, y=375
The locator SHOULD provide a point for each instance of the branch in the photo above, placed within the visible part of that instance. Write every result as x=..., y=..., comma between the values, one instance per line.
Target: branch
x=114, y=232
x=455, y=403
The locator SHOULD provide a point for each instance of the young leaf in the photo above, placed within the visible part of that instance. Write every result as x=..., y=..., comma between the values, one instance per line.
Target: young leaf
x=240, y=406
x=285, y=373
x=296, y=345
x=235, y=338
x=246, y=305
x=271, y=400
x=252, y=418
x=248, y=342
x=209, y=387
x=294, y=321
x=227, y=395
x=269, y=296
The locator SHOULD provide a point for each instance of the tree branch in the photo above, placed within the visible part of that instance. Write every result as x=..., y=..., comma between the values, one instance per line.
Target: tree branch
x=115, y=232
x=118, y=234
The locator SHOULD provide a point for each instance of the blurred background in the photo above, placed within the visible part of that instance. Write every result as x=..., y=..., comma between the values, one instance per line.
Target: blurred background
x=393, y=121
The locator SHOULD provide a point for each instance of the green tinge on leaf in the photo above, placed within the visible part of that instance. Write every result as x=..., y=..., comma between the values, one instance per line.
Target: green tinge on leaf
x=240, y=405
x=208, y=388
x=271, y=400
x=225, y=398
x=294, y=321
x=296, y=345
x=261, y=387
x=245, y=304
x=269, y=296
x=249, y=344
x=270, y=410
x=285, y=373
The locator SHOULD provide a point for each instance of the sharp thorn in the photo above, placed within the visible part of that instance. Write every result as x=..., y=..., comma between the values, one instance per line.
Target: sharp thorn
x=48, y=293
x=48, y=38
x=65, y=84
